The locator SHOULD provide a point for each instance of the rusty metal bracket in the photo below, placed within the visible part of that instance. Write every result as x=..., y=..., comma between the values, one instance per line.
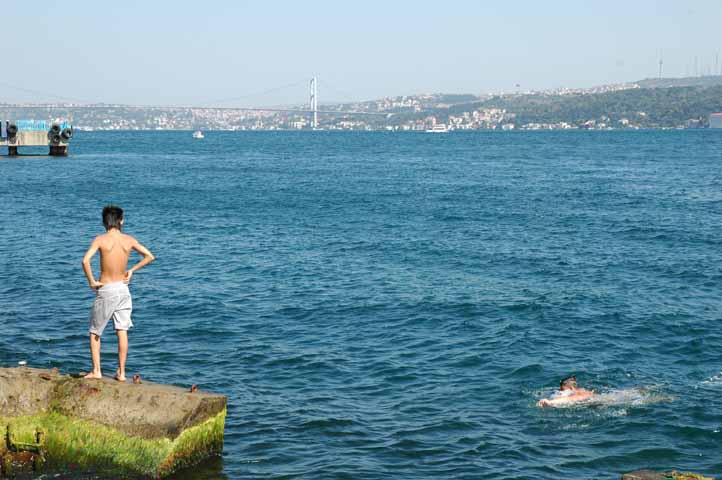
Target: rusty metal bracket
x=14, y=446
x=37, y=451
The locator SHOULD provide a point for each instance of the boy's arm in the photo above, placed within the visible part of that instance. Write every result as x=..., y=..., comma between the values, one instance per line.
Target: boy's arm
x=147, y=258
x=86, y=264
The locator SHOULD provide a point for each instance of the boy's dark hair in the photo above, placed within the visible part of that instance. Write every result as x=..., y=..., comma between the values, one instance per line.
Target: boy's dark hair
x=112, y=215
x=570, y=382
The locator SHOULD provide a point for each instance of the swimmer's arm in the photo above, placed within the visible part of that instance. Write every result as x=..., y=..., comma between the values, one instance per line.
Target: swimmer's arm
x=550, y=402
x=147, y=258
x=577, y=397
x=86, y=264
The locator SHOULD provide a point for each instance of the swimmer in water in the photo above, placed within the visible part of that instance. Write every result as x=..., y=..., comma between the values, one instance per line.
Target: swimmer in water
x=568, y=393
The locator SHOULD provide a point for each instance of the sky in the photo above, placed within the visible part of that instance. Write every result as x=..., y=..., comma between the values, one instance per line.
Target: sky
x=251, y=53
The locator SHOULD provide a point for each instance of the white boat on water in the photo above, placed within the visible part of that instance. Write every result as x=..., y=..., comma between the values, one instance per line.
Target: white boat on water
x=440, y=128
x=198, y=134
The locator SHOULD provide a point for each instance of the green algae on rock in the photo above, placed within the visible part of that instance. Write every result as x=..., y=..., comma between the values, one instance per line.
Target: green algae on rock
x=58, y=423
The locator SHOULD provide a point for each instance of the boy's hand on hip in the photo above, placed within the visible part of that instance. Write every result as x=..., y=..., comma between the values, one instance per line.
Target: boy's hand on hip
x=127, y=277
x=95, y=285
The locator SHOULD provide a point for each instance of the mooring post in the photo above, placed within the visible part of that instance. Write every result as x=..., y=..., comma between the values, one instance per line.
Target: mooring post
x=58, y=151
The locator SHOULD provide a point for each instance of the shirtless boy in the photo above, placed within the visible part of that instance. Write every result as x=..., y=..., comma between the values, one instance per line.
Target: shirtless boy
x=112, y=297
x=568, y=393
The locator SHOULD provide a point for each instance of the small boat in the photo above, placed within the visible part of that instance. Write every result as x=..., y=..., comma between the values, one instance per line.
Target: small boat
x=198, y=134
x=440, y=128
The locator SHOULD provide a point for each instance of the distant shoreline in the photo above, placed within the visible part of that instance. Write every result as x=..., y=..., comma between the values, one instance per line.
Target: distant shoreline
x=676, y=103
x=456, y=132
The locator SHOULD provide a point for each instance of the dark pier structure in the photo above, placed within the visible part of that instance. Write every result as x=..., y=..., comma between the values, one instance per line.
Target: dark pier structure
x=31, y=133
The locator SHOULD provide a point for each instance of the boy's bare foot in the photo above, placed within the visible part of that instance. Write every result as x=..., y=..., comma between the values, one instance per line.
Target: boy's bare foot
x=119, y=377
x=94, y=375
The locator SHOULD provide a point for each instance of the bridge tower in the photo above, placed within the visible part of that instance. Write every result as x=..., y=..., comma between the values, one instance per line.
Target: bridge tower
x=314, y=104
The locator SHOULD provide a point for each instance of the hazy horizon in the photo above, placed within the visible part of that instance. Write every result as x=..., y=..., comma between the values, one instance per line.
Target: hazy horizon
x=226, y=53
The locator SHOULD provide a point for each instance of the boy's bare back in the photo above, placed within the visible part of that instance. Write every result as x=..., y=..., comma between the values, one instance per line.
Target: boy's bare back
x=115, y=248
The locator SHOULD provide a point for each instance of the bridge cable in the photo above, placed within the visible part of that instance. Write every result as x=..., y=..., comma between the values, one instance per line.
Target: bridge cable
x=257, y=94
x=346, y=95
x=44, y=94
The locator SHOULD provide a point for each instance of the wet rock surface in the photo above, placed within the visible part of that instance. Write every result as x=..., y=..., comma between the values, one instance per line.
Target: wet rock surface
x=146, y=410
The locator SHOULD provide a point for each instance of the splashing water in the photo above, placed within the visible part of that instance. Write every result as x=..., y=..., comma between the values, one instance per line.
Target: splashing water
x=714, y=380
x=626, y=397
x=631, y=397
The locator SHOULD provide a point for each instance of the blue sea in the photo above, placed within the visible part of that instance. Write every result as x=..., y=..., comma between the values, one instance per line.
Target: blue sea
x=385, y=305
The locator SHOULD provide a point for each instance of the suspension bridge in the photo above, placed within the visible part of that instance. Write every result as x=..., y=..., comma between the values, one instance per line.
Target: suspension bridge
x=311, y=108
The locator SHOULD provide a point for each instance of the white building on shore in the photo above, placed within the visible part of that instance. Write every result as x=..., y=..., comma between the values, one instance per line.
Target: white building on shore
x=715, y=120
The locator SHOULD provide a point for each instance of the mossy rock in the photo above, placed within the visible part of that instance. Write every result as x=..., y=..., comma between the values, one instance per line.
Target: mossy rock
x=107, y=427
x=673, y=475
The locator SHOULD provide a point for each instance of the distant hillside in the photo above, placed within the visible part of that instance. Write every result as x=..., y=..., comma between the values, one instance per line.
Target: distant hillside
x=707, y=81
x=648, y=103
x=654, y=105
x=646, y=107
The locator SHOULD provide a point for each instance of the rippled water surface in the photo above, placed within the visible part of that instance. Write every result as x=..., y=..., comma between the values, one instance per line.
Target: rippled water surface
x=393, y=305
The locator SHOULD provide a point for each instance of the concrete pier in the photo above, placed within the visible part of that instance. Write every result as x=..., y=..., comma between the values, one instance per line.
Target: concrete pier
x=56, y=423
x=15, y=134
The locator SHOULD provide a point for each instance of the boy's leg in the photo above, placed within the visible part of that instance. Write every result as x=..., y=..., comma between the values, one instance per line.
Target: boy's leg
x=122, y=354
x=95, y=356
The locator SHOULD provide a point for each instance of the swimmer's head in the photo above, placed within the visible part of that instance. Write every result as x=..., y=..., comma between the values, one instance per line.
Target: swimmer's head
x=569, y=383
